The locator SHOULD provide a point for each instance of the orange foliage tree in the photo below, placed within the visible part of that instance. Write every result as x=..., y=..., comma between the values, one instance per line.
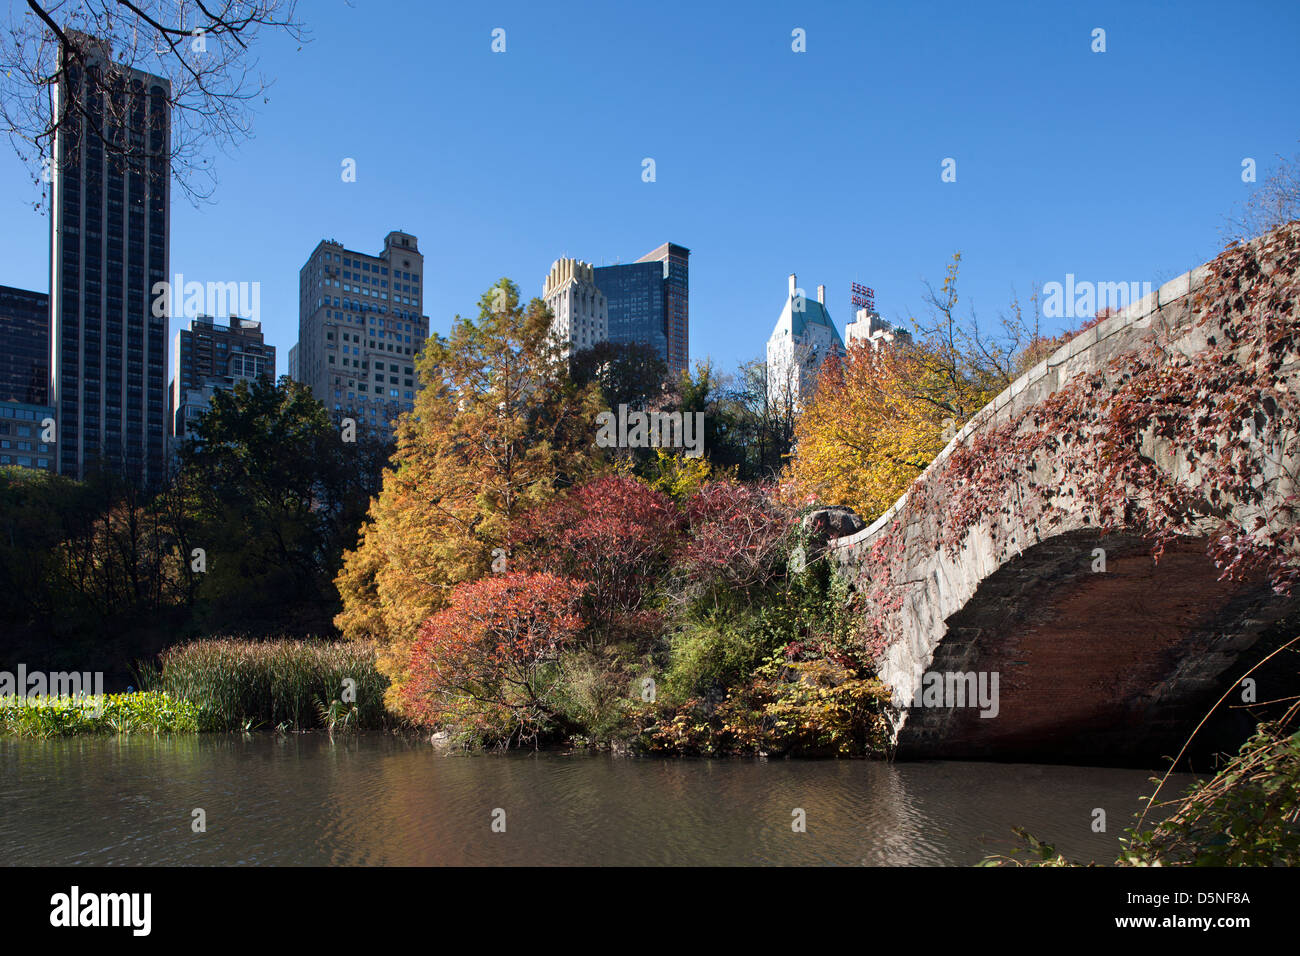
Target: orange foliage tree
x=497, y=428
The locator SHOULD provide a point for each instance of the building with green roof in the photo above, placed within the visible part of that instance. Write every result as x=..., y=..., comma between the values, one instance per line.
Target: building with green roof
x=804, y=336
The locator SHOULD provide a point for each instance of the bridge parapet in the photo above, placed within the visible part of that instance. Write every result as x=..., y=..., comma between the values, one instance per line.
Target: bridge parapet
x=1018, y=593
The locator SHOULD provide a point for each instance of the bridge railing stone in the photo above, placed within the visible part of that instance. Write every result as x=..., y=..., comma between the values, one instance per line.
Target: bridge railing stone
x=1090, y=350
x=952, y=582
x=943, y=607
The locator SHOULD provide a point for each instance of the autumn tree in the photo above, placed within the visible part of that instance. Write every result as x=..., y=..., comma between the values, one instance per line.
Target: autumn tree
x=486, y=665
x=615, y=534
x=734, y=546
x=867, y=434
x=497, y=428
x=882, y=413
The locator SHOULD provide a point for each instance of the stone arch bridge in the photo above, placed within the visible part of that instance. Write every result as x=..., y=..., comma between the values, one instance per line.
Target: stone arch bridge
x=1108, y=666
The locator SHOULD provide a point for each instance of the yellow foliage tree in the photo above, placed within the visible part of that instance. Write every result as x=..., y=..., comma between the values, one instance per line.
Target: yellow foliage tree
x=678, y=476
x=497, y=428
x=880, y=415
x=866, y=435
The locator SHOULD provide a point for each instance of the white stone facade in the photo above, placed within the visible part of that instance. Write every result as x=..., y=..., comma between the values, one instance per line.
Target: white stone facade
x=804, y=336
x=871, y=329
x=579, y=308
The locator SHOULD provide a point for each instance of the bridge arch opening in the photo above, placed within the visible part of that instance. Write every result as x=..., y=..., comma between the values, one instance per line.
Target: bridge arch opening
x=1113, y=666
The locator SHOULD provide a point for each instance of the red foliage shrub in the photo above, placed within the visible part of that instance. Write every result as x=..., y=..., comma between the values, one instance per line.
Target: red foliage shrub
x=615, y=534
x=735, y=535
x=480, y=663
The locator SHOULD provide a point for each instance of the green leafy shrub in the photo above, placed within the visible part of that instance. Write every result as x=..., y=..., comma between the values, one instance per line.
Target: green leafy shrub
x=597, y=690
x=149, y=712
x=1248, y=814
x=709, y=655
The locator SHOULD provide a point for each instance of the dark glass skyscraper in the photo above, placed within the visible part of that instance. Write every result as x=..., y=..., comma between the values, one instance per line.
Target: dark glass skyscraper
x=24, y=346
x=635, y=297
x=110, y=205
x=649, y=302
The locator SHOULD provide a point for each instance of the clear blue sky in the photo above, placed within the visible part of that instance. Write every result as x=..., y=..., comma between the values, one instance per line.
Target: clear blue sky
x=1118, y=166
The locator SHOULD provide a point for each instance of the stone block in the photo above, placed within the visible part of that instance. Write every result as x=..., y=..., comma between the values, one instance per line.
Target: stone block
x=1173, y=290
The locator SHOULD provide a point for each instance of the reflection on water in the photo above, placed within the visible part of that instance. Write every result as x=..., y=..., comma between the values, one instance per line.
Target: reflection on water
x=304, y=800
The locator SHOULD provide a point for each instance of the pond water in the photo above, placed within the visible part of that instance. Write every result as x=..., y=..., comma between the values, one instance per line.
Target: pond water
x=373, y=799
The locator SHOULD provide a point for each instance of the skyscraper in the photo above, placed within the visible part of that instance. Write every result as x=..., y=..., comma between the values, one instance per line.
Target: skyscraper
x=360, y=327
x=24, y=380
x=110, y=215
x=24, y=346
x=648, y=302
x=802, y=339
x=579, y=308
x=209, y=356
x=677, y=320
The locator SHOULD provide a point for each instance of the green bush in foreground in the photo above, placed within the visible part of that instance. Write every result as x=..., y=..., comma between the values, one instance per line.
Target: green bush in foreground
x=241, y=684
x=1248, y=814
x=153, y=712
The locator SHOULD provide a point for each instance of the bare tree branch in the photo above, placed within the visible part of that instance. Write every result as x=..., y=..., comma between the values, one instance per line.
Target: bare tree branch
x=201, y=48
x=1274, y=203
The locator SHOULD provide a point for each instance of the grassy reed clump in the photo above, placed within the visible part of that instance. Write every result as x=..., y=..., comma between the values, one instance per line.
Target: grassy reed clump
x=240, y=684
x=149, y=713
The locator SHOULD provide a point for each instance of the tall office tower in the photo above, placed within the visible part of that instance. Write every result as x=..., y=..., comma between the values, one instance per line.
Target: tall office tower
x=24, y=346
x=649, y=303
x=580, y=311
x=360, y=327
x=110, y=203
x=206, y=357
x=24, y=380
x=802, y=339
x=677, y=317
x=634, y=294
